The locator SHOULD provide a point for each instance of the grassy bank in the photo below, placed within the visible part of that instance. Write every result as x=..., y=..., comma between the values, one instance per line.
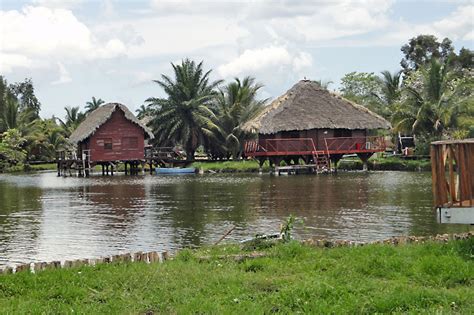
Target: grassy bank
x=352, y=164
x=249, y=166
x=231, y=166
x=386, y=164
x=292, y=278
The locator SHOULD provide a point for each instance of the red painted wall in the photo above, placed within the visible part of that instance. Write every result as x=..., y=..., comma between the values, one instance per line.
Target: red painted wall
x=117, y=139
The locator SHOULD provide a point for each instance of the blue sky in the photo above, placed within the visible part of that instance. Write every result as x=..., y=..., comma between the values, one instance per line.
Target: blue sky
x=77, y=49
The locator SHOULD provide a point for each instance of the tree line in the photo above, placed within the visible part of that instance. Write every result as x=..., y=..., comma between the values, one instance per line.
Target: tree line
x=26, y=137
x=430, y=97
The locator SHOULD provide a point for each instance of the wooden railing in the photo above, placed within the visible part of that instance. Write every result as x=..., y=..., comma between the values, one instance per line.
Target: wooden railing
x=306, y=146
x=289, y=146
x=355, y=144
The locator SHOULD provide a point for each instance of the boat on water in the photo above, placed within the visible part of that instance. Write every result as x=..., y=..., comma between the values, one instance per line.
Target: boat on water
x=175, y=170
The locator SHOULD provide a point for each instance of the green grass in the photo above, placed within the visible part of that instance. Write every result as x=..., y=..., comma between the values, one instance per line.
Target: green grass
x=43, y=167
x=386, y=164
x=414, y=278
x=231, y=166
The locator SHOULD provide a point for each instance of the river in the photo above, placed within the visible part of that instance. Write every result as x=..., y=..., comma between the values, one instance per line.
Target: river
x=44, y=217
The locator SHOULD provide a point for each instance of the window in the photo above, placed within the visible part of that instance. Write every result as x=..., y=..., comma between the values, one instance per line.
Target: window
x=108, y=144
x=130, y=142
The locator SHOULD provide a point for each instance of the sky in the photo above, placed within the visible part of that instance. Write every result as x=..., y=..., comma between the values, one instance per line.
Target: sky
x=76, y=49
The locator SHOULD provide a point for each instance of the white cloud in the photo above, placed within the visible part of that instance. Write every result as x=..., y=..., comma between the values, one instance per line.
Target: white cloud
x=458, y=25
x=64, y=76
x=259, y=59
x=9, y=61
x=41, y=35
x=301, y=61
x=182, y=35
x=63, y=4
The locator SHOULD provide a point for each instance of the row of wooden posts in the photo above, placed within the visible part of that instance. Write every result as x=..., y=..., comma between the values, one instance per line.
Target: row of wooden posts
x=155, y=257
x=146, y=257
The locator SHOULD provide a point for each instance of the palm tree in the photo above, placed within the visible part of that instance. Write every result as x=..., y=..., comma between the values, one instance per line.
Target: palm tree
x=73, y=118
x=390, y=87
x=432, y=101
x=235, y=104
x=184, y=117
x=93, y=105
x=143, y=111
x=13, y=118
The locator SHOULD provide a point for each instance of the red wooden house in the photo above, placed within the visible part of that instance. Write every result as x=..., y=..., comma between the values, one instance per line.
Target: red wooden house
x=111, y=134
x=310, y=123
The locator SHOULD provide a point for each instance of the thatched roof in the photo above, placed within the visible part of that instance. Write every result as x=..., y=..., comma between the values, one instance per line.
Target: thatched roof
x=99, y=116
x=308, y=106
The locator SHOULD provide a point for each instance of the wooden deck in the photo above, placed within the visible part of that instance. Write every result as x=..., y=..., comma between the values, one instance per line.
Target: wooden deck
x=452, y=167
x=307, y=147
x=298, y=169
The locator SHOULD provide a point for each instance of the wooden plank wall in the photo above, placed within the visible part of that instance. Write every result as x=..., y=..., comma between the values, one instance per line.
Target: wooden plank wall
x=452, y=168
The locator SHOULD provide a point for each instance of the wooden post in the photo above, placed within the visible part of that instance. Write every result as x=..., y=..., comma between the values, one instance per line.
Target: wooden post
x=137, y=256
x=39, y=266
x=126, y=257
x=22, y=267
x=7, y=270
x=153, y=257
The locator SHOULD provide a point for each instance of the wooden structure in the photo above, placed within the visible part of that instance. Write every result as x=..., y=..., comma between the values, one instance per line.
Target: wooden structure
x=452, y=167
x=109, y=135
x=165, y=157
x=310, y=124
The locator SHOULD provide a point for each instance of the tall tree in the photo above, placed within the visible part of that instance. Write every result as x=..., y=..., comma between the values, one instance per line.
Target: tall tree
x=433, y=100
x=93, y=105
x=235, y=104
x=184, y=117
x=390, y=87
x=363, y=88
x=143, y=111
x=25, y=93
x=3, y=96
x=14, y=118
x=73, y=118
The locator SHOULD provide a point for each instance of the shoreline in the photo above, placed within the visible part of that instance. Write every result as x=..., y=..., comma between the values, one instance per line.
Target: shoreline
x=431, y=274
x=251, y=166
x=153, y=256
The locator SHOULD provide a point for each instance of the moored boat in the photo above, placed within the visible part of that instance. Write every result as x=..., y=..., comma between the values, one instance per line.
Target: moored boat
x=175, y=170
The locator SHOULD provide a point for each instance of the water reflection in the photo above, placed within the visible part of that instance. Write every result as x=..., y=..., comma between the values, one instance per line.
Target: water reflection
x=43, y=217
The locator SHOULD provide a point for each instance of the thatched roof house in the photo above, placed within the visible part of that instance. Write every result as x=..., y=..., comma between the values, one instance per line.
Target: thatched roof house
x=308, y=106
x=101, y=115
x=308, y=119
x=111, y=133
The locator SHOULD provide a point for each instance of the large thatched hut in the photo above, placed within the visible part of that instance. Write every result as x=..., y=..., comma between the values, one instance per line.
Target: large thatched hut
x=309, y=121
x=111, y=134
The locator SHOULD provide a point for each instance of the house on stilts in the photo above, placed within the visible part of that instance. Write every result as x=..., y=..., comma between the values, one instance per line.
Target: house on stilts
x=109, y=135
x=312, y=125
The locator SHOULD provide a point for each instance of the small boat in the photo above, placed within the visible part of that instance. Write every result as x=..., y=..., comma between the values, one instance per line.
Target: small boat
x=175, y=170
